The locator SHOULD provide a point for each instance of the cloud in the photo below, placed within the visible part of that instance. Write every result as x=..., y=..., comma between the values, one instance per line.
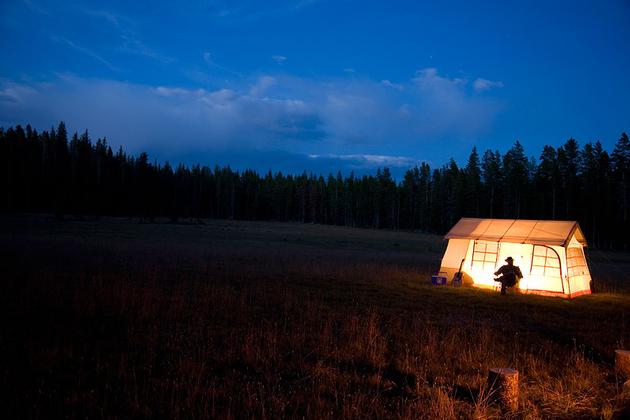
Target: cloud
x=85, y=51
x=370, y=161
x=161, y=119
x=207, y=57
x=391, y=85
x=430, y=80
x=111, y=18
x=173, y=92
x=485, y=84
x=349, y=70
x=262, y=84
x=447, y=106
x=15, y=94
x=35, y=7
x=297, y=163
x=253, y=11
x=346, y=122
x=133, y=45
x=125, y=31
x=279, y=58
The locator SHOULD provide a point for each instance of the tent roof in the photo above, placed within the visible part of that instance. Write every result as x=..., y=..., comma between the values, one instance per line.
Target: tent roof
x=541, y=232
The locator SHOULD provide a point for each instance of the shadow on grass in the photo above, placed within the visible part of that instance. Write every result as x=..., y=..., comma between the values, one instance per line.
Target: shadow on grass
x=466, y=394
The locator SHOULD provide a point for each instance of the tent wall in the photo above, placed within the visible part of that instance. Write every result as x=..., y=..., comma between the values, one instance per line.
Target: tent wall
x=580, y=285
x=482, y=274
x=577, y=268
x=549, y=253
x=544, y=267
x=456, y=250
x=481, y=262
x=544, y=270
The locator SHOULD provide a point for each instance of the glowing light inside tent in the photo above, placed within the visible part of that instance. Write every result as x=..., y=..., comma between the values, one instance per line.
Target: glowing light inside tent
x=549, y=253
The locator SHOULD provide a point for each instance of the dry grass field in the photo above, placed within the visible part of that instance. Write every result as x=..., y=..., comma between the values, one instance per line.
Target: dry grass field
x=113, y=318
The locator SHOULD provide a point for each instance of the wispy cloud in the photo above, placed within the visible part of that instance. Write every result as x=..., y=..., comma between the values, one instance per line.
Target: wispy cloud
x=128, y=39
x=279, y=58
x=132, y=44
x=36, y=7
x=110, y=17
x=387, y=83
x=13, y=94
x=262, y=85
x=207, y=58
x=370, y=161
x=485, y=84
x=256, y=10
x=85, y=51
x=429, y=79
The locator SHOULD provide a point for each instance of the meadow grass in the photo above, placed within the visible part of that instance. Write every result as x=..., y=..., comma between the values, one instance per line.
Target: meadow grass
x=113, y=318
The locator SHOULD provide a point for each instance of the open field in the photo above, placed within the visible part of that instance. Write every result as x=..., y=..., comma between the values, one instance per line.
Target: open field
x=115, y=318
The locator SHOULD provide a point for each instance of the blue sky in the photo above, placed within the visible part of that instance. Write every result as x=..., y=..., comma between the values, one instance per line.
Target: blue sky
x=319, y=85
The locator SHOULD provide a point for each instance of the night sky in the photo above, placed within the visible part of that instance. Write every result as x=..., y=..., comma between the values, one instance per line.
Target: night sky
x=319, y=85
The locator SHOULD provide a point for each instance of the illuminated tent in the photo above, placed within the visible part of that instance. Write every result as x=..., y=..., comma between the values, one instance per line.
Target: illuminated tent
x=550, y=254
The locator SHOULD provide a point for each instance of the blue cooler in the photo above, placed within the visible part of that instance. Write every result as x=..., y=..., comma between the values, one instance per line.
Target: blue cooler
x=439, y=279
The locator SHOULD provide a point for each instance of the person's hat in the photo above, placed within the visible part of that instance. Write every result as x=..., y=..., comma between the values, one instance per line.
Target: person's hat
x=508, y=259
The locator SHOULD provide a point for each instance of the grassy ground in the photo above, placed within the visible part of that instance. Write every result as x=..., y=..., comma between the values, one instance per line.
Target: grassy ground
x=114, y=318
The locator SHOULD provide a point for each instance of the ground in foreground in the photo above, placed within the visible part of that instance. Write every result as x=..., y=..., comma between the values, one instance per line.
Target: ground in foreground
x=114, y=318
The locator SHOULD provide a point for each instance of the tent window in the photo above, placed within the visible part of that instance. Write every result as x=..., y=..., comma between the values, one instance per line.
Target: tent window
x=545, y=262
x=576, y=264
x=485, y=255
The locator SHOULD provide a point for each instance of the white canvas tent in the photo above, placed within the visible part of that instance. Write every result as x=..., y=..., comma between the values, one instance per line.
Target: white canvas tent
x=549, y=253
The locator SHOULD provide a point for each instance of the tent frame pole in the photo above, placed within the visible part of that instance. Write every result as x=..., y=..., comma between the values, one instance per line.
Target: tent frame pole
x=559, y=263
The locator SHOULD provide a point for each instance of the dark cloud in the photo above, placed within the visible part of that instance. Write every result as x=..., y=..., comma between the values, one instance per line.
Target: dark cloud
x=338, y=123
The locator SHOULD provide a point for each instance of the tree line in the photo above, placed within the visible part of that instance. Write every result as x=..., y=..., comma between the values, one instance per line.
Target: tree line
x=50, y=172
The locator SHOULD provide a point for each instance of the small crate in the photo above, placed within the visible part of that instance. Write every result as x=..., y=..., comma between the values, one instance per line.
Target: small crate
x=438, y=279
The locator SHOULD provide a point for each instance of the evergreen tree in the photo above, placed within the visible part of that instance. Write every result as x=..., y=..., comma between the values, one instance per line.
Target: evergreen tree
x=492, y=171
x=61, y=170
x=472, y=185
x=568, y=164
x=621, y=171
x=547, y=176
x=516, y=179
x=44, y=172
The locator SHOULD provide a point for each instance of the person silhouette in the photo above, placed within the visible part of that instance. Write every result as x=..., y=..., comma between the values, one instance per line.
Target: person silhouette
x=509, y=274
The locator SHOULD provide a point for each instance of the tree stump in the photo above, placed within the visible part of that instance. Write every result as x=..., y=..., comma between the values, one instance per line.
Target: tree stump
x=622, y=363
x=503, y=387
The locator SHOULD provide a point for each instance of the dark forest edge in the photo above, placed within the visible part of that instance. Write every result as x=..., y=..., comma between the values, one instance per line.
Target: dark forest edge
x=47, y=172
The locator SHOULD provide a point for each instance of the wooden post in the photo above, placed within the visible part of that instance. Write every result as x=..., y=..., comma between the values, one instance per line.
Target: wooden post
x=503, y=387
x=622, y=363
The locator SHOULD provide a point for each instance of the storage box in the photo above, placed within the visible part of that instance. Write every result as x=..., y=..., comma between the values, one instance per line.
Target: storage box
x=438, y=279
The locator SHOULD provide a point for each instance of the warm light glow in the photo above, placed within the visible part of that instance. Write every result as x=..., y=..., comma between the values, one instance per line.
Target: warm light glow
x=555, y=266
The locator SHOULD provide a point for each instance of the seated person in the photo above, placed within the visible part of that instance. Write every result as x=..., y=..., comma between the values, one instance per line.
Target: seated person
x=509, y=275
